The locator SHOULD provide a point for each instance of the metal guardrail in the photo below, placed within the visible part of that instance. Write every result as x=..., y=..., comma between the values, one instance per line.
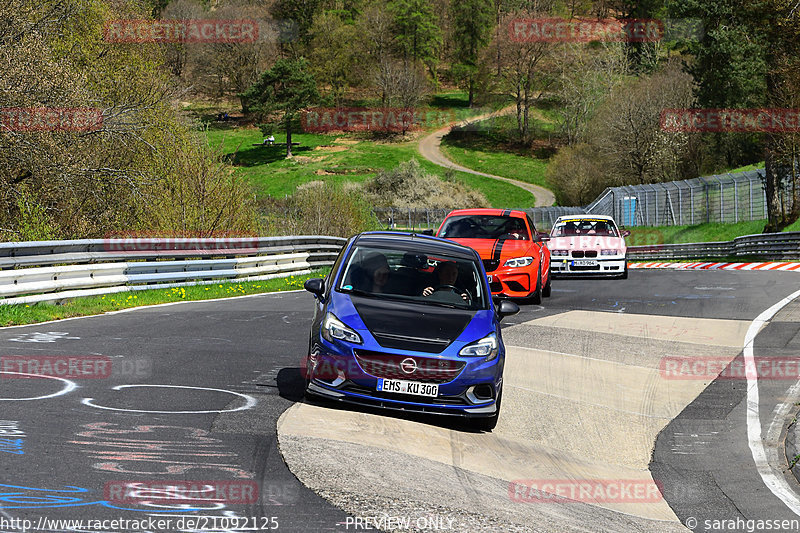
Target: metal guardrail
x=766, y=246
x=91, y=267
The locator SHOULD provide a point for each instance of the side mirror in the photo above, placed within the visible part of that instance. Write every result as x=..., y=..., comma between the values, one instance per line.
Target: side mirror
x=315, y=286
x=427, y=232
x=544, y=237
x=507, y=308
x=625, y=233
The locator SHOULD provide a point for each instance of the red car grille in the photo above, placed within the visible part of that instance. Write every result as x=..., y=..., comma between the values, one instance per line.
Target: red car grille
x=425, y=369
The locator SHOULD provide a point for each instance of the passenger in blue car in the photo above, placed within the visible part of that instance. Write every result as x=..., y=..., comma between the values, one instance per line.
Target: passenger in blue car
x=376, y=269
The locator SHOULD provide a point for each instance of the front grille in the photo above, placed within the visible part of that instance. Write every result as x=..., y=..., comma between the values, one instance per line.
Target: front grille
x=579, y=254
x=495, y=286
x=428, y=369
x=490, y=265
x=578, y=268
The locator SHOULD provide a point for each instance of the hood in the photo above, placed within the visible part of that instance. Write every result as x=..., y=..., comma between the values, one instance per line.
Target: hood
x=408, y=326
x=586, y=242
x=493, y=249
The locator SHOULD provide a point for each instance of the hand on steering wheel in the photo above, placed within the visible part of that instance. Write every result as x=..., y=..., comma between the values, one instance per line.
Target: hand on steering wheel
x=464, y=295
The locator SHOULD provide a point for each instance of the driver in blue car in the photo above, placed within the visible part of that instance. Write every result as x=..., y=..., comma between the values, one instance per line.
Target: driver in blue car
x=447, y=273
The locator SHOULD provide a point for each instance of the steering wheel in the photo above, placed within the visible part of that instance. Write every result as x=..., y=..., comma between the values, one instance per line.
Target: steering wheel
x=451, y=287
x=456, y=290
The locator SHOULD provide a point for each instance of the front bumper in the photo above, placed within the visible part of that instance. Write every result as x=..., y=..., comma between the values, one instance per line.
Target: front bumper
x=603, y=267
x=511, y=282
x=340, y=377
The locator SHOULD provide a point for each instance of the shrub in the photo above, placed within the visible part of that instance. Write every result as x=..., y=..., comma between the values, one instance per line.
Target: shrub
x=409, y=185
x=319, y=208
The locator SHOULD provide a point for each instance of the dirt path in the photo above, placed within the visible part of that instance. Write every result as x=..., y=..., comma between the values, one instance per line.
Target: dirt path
x=429, y=147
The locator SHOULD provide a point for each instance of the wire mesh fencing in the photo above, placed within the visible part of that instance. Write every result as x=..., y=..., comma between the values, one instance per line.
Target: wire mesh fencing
x=726, y=198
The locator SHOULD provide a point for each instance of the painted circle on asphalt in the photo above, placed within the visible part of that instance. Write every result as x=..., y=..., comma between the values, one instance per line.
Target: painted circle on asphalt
x=68, y=386
x=249, y=401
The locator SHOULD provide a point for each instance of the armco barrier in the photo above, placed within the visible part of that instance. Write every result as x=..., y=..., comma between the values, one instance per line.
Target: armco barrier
x=767, y=246
x=101, y=266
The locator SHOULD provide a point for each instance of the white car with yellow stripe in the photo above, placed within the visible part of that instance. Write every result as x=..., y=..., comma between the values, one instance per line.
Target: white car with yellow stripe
x=588, y=245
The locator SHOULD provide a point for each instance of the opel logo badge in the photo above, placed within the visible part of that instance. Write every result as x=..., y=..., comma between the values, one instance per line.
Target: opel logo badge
x=408, y=365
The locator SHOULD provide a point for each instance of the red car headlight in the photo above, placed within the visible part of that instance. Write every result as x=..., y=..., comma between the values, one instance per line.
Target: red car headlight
x=519, y=262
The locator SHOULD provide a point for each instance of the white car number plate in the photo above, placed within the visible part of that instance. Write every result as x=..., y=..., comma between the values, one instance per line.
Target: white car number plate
x=584, y=263
x=408, y=387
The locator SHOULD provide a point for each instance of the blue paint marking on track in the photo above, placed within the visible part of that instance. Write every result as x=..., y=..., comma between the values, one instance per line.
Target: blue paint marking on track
x=21, y=497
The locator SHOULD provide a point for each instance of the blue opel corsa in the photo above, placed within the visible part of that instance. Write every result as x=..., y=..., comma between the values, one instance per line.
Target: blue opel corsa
x=407, y=322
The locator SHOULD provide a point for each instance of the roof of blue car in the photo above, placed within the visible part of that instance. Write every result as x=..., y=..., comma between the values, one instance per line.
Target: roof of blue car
x=414, y=242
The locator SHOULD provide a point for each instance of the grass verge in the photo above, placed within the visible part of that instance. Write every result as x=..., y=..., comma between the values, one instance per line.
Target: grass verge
x=338, y=158
x=18, y=314
x=713, y=232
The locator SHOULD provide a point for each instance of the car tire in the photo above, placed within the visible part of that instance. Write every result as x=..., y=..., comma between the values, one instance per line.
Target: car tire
x=547, y=288
x=488, y=423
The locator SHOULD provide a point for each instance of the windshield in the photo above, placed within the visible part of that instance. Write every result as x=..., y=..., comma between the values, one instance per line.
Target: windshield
x=484, y=227
x=404, y=275
x=585, y=226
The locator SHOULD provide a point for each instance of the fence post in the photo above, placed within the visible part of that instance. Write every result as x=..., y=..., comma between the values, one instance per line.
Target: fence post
x=708, y=204
x=750, y=183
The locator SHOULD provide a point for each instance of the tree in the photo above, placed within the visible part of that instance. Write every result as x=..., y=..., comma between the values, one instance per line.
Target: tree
x=418, y=37
x=472, y=26
x=285, y=89
x=626, y=128
x=528, y=69
x=587, y=75
x=334, y=58
x=748, y=58
x=301, y=12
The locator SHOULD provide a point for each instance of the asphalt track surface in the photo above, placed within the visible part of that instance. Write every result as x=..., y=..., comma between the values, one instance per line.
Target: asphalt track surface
x=206, y=382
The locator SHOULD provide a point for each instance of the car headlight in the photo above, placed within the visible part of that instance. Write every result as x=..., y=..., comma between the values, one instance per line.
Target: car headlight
x=333, y=328
x=559, y=253
x=518, y=262
x=487, y=347
x=609, y=252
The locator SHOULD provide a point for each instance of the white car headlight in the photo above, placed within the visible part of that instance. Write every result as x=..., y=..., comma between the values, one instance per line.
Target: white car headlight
x=333, y=328
x=518, y=262
x=559, y=253
x=487, y=347
x=609, y=252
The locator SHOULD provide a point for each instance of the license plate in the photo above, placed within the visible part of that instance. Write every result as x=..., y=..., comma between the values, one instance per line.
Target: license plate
x=584, y=263
x=489, y=278
x=408, y=387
